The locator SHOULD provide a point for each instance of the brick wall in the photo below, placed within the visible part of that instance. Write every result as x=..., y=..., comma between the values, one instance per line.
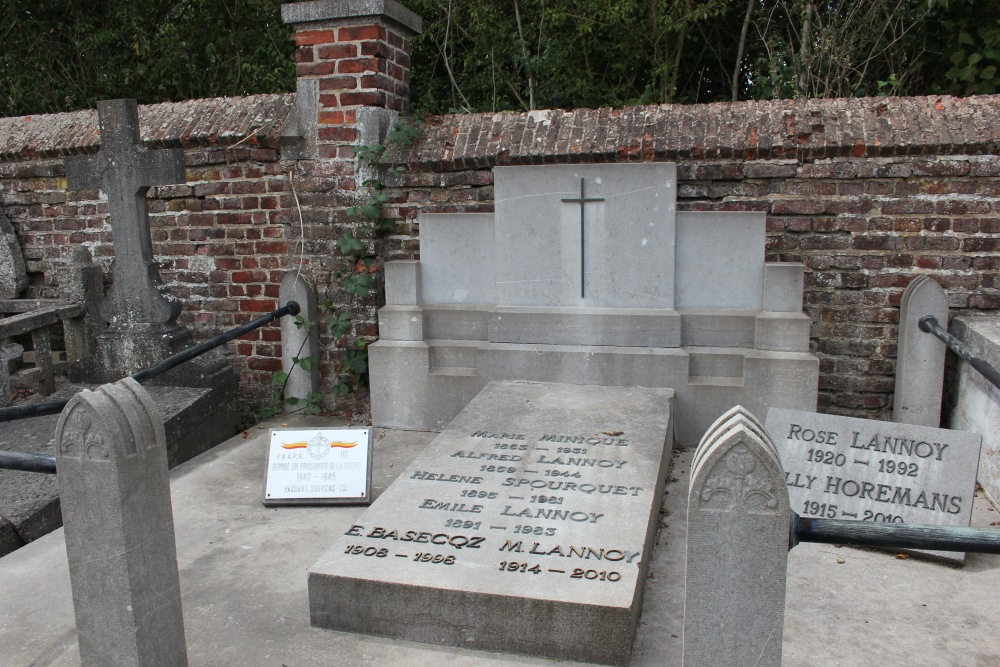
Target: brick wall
x=866, y=193
x=222, y=239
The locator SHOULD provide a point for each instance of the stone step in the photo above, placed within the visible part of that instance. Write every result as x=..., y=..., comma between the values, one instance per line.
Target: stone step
x=452, y=353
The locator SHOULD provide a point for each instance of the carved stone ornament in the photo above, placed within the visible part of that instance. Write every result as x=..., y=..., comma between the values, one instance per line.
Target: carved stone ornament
x=80, y=440
x=737, y=481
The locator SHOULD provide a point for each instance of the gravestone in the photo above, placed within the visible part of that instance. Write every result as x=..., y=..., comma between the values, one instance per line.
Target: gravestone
x=142, y=330
x=526, y=527
x=737, y=547
x=141, y=313
x=299, y=342
x=112, y=471
x=13, y=273
x=587, y=274
x=867, y=470
x=920, y=355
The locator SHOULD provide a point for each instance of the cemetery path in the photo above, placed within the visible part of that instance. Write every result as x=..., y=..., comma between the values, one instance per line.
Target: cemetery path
x=243, y=578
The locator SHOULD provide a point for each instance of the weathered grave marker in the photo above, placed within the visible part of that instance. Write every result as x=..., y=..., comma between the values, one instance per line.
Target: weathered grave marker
x=525, y=527
x=919, y=355
x=737, y=551
x=142, y=314
x=299, y=344
x=124, y=170
x=13, y=273
x=865, y=470
x=112, y=470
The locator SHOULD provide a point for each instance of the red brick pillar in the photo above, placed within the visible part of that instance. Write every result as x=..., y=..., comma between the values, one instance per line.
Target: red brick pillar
x=353, y=70
x=359, y=52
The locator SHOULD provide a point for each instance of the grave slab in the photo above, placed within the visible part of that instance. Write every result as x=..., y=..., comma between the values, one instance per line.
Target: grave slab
x=867, y=470
x=526, y=527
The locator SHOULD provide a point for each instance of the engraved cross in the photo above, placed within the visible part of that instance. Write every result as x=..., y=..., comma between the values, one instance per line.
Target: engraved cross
x=582, y=201
x=125, y=170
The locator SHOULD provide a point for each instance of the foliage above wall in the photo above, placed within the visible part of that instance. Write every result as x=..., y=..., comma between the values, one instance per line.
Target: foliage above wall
x=482, y=55
x=62, y=55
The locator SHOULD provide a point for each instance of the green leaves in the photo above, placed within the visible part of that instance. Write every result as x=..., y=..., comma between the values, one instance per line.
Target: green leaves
x=349, y=245
x=61, y=56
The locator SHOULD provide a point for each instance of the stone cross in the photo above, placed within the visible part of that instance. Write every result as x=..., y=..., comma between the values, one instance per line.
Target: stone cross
x=125, y=170
x=112, y=471
x=738, y=525
x=582, y=201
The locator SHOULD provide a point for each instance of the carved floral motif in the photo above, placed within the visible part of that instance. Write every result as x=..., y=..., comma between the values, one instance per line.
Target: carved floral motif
x=736, y=482
x=80, y=440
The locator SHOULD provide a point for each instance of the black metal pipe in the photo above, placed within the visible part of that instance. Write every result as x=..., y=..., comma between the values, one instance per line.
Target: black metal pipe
x=892, y=535
x=54, y=407
x=28, y=462
x=290, y=308
x=929, y=324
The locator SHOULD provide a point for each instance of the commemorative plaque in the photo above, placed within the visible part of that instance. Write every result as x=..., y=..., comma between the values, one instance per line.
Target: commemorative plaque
x=319, y=466
x=525, y=527
x=867, y=470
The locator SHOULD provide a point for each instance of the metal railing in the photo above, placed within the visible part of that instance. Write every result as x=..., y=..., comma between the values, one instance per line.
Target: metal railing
x=47, y=464
x=892, y=536
x=929, y=324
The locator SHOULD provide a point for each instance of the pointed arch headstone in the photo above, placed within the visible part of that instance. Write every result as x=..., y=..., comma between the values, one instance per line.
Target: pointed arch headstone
x=738, y=523
x=112, y=470
x=919, y=355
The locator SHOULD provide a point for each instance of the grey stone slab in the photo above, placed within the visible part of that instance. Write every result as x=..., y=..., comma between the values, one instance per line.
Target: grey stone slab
x=976, y=402
x=720, y=260
x=332, y=10
x=112, y=471
x=401, y=323
x=402, y=283
x=919, y=355
x=617, y=252
x=299, y=340
x=783, y=282
x=782, y=331
x=451, y=322
x=737, y=549
x=124, y=170
x=626, y=327
x=407, y=394
x=13, y=274
x=454, y=354
x=865, y=470
x=457, y=258
x=583, y=364
x=526, y=527
x=716, y=327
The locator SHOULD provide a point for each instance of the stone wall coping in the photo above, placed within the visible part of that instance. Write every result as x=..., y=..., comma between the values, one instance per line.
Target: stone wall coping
x=327, y=10
x=253, y=121
x=796, y=130
x=793, y=130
